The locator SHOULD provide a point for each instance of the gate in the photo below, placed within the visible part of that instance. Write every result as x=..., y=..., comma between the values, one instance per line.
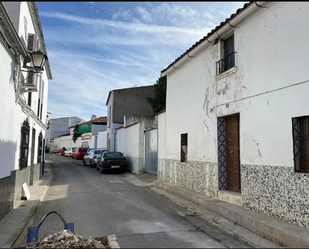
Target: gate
x=151, y=151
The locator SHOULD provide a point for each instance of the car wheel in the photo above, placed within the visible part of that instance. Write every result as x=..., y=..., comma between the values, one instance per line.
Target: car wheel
x=84, y=162
x=90, y=164
x=97, y=167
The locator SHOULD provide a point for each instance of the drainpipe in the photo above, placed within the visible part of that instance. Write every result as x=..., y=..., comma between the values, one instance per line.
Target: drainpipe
x=210, y=40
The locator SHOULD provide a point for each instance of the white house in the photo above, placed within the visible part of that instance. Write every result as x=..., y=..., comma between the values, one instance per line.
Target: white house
x=126, y=102
x=60, y=126
x=237, y=117
x=23, y=100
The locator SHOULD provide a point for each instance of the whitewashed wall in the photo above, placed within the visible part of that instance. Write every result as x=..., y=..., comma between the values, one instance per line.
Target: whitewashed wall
x=67, y=142
x=12, y=116
x=266, y=89
x=161, y=145
x=9, y=143
x=102, y=139
x=134, y=145
x=93, y=141
x=120, y=140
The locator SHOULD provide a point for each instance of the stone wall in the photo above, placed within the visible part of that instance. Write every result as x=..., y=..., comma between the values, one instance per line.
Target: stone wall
x=201, y=177
x=276, y=191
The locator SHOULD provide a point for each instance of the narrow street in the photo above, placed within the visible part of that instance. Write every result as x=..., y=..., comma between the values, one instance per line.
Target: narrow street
x=103, y=204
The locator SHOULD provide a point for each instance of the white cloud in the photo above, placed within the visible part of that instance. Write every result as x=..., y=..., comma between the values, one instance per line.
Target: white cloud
x=144, y=14
x=134, y=27
x=122, y=14
x=130, y=48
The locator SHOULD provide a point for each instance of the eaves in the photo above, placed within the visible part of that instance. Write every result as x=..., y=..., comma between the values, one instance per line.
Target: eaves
x=34, y=13
x=11, y=34
x=213, y=35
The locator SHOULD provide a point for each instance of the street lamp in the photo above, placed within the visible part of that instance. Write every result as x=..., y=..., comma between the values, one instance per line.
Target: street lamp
x=38, y=60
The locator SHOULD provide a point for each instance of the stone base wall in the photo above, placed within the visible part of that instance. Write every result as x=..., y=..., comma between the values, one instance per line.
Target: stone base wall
x=20, y=177
x=276, y=191
x=6, y=196
x=201, y=177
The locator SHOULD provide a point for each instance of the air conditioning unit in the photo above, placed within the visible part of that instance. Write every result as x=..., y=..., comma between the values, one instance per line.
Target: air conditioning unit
x=30, y=84
x=32, y=42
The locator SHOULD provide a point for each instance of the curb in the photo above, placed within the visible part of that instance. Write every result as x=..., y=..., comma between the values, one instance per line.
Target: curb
x=277, y=231
x=37, y=203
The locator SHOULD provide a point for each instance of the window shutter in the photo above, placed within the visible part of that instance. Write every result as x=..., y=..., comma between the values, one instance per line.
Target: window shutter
x=31, y=43
x=30, y=78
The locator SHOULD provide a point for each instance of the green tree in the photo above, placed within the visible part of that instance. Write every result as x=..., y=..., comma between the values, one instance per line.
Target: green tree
x=158, y=102
x=75, y=135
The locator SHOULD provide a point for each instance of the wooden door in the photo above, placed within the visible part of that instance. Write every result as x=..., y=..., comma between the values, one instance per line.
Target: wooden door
x=232, y=153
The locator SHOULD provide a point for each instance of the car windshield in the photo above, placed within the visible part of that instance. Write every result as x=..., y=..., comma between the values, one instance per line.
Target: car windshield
x=83, y=149
x=111, y=155
x=98, y=152
x=73, y=149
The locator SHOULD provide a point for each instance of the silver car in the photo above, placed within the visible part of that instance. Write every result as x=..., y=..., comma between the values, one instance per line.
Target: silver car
x=91, y=157
x=69, y=151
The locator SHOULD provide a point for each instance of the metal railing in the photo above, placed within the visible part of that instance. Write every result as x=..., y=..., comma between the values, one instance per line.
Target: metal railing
x=225, y=63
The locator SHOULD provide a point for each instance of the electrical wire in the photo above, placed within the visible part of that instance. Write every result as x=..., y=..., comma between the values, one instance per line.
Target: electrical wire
x=270, y=91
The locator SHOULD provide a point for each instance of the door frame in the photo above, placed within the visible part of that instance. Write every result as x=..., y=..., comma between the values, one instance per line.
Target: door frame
x=33, y=138
x=222, y=152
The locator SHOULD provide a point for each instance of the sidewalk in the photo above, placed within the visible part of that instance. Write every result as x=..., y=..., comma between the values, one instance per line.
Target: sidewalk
x=237, y=219
x=16, y=220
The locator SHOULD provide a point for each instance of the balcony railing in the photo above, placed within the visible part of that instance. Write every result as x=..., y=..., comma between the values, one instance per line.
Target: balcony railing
x=225, y=63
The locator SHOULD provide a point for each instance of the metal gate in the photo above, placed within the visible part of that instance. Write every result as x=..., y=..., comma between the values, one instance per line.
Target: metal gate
x=151, y=151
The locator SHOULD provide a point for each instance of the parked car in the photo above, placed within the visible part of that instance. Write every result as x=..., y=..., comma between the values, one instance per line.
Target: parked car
x=69, y=151
x=111, y=160
x=79, y=153
x=91, y=157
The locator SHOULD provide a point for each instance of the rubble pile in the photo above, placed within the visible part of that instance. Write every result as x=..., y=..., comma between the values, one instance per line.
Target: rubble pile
x=66, y=239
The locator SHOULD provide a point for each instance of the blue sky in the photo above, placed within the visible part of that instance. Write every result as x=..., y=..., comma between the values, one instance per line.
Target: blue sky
x=96, y=47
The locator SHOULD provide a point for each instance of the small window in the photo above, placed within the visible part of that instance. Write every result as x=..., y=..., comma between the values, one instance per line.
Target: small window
x=184, y=148
x=228, y=54
x=29, y=98
x=301, y=143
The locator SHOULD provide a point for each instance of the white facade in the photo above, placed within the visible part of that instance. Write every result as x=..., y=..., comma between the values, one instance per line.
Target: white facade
x=161, y=145
x=60, y=126
x=67, y=142
x=102, y=138
x=134, y=148
x=17, y=107
x=267, y=88
x=120, y=139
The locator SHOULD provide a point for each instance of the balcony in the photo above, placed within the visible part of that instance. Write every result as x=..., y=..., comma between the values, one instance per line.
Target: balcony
x=225, y=63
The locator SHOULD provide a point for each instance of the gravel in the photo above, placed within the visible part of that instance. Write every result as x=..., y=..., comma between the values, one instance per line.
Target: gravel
x=66, y=239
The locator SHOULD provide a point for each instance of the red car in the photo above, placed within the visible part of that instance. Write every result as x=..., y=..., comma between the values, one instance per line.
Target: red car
x=79, y=153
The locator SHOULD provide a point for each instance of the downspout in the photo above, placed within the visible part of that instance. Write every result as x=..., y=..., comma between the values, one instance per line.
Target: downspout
x=214, y=36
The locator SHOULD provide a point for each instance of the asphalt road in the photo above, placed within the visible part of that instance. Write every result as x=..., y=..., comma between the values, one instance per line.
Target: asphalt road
x=103, y=204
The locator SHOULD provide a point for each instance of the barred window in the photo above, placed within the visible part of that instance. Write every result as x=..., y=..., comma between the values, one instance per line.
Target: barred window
x=184, y=147
x=40, y=147
x=301, y=143
x=24, y=145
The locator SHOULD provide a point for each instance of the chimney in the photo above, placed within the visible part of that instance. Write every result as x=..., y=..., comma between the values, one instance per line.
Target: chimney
x=93, y=117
